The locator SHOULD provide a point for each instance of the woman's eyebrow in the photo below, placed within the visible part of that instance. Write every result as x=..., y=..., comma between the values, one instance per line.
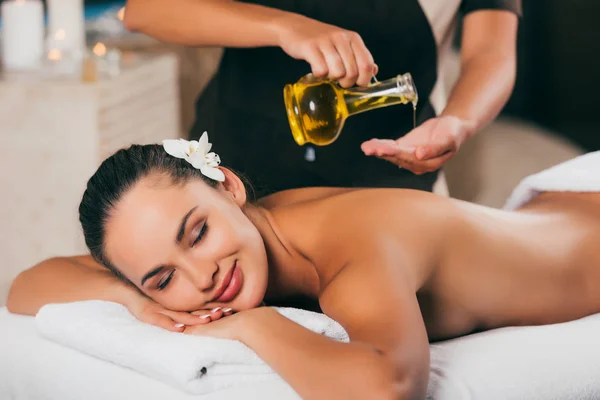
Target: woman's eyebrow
x=182, y=226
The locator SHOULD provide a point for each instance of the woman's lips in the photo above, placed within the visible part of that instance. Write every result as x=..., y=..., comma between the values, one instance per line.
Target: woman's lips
x=232, y=284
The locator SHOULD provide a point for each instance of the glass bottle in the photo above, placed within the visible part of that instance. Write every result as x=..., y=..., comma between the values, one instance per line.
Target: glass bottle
x=317, y=108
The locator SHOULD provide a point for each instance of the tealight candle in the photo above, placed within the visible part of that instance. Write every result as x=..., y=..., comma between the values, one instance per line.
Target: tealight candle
x=22, y=33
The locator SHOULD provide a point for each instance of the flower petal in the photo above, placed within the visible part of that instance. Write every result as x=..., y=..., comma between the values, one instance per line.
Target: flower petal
x=175, y=147
x=197, y=160
x=213, y=173
x=193, y=146
x=203, y=145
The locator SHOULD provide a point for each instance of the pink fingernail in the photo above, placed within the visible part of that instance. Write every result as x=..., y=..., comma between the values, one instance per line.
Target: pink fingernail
x=205, y=316
x=215, y=309
x=179, y=325
x=227, y=309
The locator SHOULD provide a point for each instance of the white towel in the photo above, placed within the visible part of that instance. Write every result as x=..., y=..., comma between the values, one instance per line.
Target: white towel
x=548, y=362
x=580, y=174
x=191, y=363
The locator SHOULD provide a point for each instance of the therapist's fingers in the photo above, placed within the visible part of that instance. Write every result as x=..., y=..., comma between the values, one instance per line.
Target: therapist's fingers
x=318, y=64
x=437, y=148
x=342, y=44
x=387, y=147
x=335, y=64
x=364, y=61
x=421, y=167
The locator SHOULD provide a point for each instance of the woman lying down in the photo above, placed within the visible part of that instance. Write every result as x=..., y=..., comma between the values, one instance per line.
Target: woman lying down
x=175, y=239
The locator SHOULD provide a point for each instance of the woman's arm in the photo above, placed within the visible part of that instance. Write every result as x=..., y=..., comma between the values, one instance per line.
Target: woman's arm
x=80, y=278
x=387, y=358
x=65, y=279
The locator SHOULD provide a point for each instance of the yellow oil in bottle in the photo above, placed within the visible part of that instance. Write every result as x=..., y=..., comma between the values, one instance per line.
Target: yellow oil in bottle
x=318, y=109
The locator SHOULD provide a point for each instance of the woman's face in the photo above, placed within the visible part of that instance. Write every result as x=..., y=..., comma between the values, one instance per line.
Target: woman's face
x=189, y=246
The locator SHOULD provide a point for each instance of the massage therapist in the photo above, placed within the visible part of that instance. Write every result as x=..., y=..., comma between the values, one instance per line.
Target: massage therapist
x=269, y=43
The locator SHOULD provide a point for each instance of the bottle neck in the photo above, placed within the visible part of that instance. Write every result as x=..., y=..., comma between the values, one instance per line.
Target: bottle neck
x=398, y=90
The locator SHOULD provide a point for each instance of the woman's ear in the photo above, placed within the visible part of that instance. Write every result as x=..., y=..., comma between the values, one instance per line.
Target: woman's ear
x=234, y=186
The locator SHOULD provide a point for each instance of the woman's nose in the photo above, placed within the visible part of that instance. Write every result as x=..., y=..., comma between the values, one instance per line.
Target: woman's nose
x=202, y=274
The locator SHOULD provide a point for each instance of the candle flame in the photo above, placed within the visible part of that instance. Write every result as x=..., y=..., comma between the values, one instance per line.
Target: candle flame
x=54, y=55
x=60, y=34
x=121, y=14
x=99, y=49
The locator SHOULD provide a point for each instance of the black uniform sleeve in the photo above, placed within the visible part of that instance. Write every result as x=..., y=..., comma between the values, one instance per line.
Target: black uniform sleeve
x=468, y=6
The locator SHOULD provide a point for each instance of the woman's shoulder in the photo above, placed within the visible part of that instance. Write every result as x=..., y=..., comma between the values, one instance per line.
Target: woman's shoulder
x=301, y=195
x=320, y=195
x=355, y=219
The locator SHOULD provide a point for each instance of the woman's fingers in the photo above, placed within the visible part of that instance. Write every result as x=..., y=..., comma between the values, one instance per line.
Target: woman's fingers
x=166, y=322
x=176, y=321
x=227, y=311
x=186, y=318
x=216, y=313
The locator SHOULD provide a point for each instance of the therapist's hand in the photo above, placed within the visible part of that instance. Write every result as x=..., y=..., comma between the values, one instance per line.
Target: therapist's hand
x=332, y=52
x=424, y=149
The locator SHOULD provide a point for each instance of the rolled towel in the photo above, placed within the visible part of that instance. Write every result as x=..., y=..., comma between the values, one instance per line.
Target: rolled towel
x=194, y=364
x=580, y=174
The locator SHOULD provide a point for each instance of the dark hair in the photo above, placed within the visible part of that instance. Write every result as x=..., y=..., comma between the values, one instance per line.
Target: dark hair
x=115, y=176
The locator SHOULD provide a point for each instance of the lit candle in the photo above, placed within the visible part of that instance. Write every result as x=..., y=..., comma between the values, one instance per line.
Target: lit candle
x=66, y=26
x=22, y=33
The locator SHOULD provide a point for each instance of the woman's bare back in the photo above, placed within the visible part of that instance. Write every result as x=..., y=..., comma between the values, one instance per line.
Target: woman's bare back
x=472, y=268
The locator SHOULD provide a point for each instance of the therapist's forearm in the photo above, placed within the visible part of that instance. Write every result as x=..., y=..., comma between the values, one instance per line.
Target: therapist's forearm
x=223, y=23
x=483, y=89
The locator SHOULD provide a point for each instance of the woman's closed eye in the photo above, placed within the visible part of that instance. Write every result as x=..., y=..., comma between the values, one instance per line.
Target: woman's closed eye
x=200, y=234
x=164, y=281
x=166, y=278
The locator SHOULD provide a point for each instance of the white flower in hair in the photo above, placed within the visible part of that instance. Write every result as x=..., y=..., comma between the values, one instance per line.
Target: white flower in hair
x=197, y=154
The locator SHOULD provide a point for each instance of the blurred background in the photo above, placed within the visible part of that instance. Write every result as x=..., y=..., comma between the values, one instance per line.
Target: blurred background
x=60, y=119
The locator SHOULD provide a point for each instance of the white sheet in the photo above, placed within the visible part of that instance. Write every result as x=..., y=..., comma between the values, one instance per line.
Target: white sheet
x=554, y=362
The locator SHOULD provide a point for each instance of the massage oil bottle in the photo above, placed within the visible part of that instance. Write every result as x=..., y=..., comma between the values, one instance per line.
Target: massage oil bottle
x=317, y=108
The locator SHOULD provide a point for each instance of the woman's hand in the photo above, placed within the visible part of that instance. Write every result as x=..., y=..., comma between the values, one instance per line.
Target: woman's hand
x=334, y=52
x=150, y=312
x=424, y=149
x=219, y=327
